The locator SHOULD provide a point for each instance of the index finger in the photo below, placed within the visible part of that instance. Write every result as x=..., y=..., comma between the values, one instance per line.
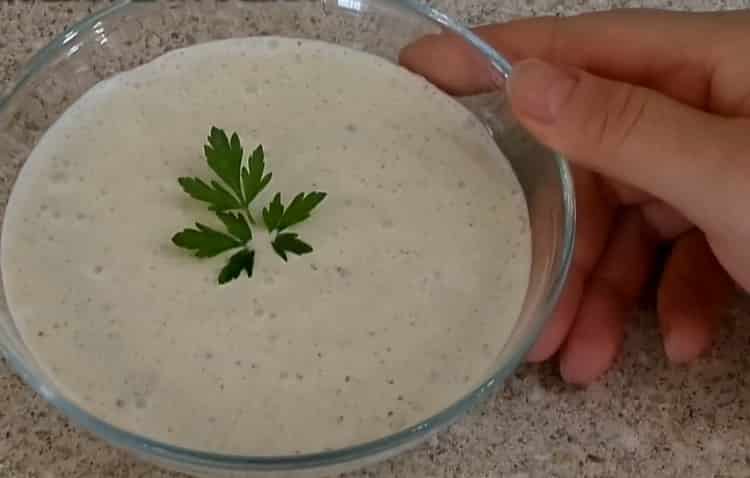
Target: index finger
x=667, y=51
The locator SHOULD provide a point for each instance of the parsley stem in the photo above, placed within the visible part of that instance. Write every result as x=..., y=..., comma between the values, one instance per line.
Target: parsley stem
x=249, y=216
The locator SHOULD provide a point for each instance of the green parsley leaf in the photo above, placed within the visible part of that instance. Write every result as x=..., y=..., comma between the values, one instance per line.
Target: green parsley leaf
x=299, y=209
x=224, y=157
x=242, y=260
x=216, y=195
x=236, y=225
x=273, y=213
x=253, y=180
x=206, y=242
x=289, y=242
x=277, y=217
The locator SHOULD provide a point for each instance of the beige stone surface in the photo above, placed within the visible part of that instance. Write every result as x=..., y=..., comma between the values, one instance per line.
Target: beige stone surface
x=646, y=418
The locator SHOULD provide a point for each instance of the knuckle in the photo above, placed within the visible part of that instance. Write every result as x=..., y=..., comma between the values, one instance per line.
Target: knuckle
x=624, y=115
x=614, y=124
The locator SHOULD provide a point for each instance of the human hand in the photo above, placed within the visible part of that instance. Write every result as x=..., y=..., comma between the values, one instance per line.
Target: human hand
x=653, y=111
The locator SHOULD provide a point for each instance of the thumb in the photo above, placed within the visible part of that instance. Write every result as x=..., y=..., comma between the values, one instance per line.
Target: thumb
x=681, y=155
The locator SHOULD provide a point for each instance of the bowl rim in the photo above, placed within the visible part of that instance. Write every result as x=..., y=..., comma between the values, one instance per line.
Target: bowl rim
x=390, y=443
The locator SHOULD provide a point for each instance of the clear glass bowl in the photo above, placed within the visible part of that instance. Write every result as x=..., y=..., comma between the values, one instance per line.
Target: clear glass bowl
x=129, y=33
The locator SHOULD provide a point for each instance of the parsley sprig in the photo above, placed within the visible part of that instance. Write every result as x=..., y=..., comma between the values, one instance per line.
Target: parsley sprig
x=230, y=197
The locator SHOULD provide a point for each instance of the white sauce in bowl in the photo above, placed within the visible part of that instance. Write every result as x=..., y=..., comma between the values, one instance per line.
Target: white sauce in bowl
x=421, y=260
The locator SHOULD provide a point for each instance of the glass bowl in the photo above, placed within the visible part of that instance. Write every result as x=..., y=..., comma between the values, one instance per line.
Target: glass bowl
x=129, y=33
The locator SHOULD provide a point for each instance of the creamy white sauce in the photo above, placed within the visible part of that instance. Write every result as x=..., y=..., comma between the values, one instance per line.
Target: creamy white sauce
x=421, y=261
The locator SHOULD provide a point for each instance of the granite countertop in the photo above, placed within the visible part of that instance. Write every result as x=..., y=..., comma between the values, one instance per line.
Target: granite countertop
x=645, y=418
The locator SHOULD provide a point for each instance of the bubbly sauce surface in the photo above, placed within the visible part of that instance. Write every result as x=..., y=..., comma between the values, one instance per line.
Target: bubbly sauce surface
x=421, y=261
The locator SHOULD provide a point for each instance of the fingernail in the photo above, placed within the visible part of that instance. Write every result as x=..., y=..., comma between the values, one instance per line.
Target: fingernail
x=678, y=351
x=539, y=90
x=688, y=341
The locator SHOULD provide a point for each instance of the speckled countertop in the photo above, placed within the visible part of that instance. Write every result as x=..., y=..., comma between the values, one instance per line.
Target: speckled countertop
x=645, y=418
